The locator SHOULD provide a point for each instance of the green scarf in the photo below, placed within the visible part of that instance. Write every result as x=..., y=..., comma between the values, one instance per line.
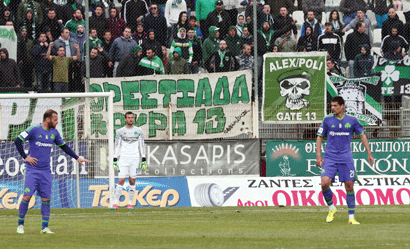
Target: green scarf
x=267, y=36
x=30, y=5
x=222, y=56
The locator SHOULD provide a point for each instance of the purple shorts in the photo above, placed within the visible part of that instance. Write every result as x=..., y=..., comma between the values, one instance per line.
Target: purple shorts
x=40, y=180
x=346, y=171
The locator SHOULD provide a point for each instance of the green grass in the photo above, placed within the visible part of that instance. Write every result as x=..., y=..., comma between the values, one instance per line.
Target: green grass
x=228, y=227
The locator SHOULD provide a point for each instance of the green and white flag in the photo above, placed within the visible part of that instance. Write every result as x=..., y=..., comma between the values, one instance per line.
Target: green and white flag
x=294, y=87
x=8, y=40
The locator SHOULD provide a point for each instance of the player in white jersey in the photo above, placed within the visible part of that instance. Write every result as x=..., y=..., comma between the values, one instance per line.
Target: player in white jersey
x=129, y=140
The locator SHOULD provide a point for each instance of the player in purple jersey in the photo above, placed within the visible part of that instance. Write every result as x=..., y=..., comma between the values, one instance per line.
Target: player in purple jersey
x=38, y=173
x=338, y=128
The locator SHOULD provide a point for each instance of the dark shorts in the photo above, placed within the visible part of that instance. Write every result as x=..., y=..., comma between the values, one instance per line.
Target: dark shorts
x=346, y=171
x=39, y=180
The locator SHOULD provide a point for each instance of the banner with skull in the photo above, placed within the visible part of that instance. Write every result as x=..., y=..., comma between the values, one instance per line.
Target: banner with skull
x=294, y=87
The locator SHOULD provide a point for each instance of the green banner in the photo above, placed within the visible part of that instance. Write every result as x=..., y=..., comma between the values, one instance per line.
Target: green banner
x=294, y=87
x=298, y=158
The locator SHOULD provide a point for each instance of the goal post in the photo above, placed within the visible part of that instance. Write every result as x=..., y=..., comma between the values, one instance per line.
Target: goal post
x=86, y=123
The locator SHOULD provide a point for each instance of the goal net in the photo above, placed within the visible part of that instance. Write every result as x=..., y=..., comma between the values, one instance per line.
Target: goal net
x=85, y=124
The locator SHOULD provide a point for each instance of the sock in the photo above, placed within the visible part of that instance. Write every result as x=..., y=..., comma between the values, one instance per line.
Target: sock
x=22, y=211
x=131, y=193
x=118, y=192
x=351, y=204
x=328, y=195
x=45, y=212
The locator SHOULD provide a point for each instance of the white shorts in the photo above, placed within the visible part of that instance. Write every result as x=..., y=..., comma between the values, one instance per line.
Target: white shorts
x=129, y=167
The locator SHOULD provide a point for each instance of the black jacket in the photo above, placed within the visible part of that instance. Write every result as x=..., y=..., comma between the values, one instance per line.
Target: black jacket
x=388, y=44
x=133, y=10
x=97, y=65
x=230, y=63
x=99, y=23
x=159, y=25
x=353, y=44
x=212, y=20
x=53, y=25
x=390, y=23
x=282, y=25
x=308, y=43
x=67, y=11
x=155, y=45
x=41, y=63
x=331, y=43
x=9, y=71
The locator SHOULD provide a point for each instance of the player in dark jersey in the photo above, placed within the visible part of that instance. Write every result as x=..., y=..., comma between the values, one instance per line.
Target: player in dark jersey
x=38, y=173
x=338, y=128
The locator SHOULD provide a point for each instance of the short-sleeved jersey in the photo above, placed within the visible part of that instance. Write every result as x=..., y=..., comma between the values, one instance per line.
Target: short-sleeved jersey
x=339, y=134
x=60, y=68
x=130, y=141
x=41, y=141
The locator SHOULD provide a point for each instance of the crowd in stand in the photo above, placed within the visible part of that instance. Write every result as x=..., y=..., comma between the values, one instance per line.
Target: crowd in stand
x=145, y=37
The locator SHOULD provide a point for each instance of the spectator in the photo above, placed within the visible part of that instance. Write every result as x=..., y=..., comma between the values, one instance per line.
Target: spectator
x=30, y=5
x=363, y=62
x=116, y=24
x=234, y=42
x=93, y=39
x=283, y=23
x=68, y=8
x=392, y=21
x=221, y=60
x=173, y=8
x=31, y=25
x=182, y=23
x=73, y=23
x=61, y=65
x=134, y=12
x=275, y=49
x=219, y=18
x=24, y=56
x=151, y=64
x=361, y=18
x=240, y=24
x=43, y=67
x=245, y=60
x=349, y=9
x=332, y=67
x=182, y=42
x=193, y=25
x=353, y=44
x=49, y=4
x=267, y=16
x=261, y=17
x=202, y=9
x=156, y=21
x=267, y=33
x=307, y=42
x=5, y=15
x=51, y=22
x=276, y=5
x=247, y=37
x=197, y=52
x=121, y=47
x=79, y=39
x=3, y=7
x=318, y=6
x=337, y=26
x=380, y=9
x=129, y=64
x=66, y=41
x=139, y=35
x=151, y=42
x=106, y=45
x=176, y=64
x=313, y=23
x=389, y=47
x=165, y=55
x=285, y=43
x=98, y=21
x=9, y=71
x=211, y=43
x=330, y=42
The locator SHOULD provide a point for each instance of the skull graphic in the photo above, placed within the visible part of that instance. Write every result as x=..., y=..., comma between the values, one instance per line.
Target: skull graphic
x=294, y=90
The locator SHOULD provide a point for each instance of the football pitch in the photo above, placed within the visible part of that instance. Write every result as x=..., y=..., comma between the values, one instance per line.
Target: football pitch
x=222, y=227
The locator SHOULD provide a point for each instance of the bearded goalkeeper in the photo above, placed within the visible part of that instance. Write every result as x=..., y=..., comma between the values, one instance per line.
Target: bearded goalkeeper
x=129, y=140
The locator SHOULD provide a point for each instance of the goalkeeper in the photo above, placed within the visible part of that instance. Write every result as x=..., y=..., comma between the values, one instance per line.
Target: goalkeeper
x=130, y=141
x=38, y=175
